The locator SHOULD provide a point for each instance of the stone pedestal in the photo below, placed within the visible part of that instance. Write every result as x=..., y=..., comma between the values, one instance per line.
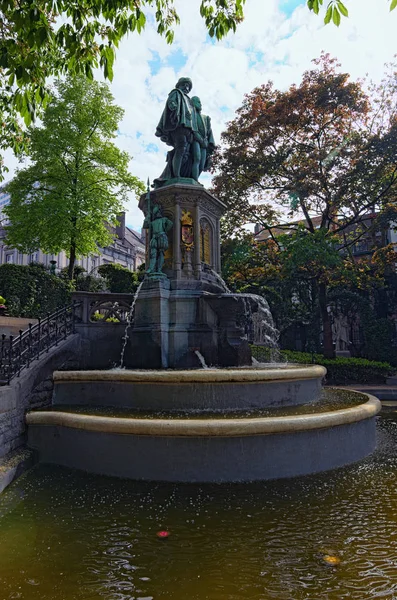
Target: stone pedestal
x=194, y=241
x=148, y=346
x=186, y=314
x=171, y=325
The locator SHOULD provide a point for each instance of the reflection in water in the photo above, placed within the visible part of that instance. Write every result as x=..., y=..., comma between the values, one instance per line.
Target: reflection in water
x=65, y=535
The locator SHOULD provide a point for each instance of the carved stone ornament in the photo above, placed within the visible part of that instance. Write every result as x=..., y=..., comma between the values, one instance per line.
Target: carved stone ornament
x=210, y=207
x=187, y=232
x=167, y=201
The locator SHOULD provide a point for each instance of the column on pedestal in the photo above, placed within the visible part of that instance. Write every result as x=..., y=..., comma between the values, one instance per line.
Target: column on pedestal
x=177, y=260
x=196, y=253
x=217, y=248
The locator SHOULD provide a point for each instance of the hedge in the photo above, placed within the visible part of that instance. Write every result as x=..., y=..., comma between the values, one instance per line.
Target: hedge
x=340, y=370
x=119, y=279
x=31, y=291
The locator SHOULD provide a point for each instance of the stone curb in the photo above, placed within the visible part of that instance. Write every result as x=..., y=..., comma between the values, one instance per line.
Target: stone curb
x=209, y=376
x=207, y=427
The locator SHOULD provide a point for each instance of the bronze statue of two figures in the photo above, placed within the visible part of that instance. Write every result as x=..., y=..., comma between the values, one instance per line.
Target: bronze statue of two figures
x=188, y=131
x=183, y=127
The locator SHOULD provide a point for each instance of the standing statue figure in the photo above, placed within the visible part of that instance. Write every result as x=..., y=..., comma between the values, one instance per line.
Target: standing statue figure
x=183, y=127
x=158, y=227
x=203, y=141
x=177, y=125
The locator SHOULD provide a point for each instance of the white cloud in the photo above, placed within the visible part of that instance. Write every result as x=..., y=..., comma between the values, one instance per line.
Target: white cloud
x=276, y=41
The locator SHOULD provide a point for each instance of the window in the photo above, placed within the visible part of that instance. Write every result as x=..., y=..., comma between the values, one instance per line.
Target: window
x=9, y=259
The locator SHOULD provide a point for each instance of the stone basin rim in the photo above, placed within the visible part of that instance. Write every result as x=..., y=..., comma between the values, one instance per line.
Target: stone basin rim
x=203, y=376
x=236, y=427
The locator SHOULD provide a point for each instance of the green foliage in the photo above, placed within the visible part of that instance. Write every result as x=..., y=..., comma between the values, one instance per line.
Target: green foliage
x=79, y=271
x=324, y=148
x=82, y=281
x=97, y=316
x=378, y=337
x=119, y=279
x=89, y=283
x=327, y=149
x=221, y=16
x=77, y=180
x=339, y=370
x=309, y=253
x=285, y=278
x=43, y=39
x=377, y=332
x=32, y=291
x=335, y=9
x=141, y=270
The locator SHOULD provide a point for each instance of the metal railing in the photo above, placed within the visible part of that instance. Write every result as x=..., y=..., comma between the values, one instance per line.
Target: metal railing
x=17, y=352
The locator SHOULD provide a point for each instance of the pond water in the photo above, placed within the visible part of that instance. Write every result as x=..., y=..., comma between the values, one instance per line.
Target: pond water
x=66, y=535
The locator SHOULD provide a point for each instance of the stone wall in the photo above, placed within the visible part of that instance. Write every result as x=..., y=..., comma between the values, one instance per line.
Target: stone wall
x=33, y=389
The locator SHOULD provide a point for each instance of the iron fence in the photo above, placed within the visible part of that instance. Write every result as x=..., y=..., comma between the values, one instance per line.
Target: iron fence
x=17, y=352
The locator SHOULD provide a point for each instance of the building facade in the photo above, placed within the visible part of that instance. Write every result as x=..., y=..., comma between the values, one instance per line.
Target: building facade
x=127, y=249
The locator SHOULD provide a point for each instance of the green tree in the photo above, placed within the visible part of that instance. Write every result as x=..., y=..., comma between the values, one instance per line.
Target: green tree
x=324, y=150
x=119, y=279
x=42, y=38
x=78, y=179
x=272, y=269
x=287, y=272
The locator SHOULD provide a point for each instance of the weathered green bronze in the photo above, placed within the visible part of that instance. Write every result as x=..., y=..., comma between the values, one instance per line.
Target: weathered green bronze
x=158, y=226
x=183, y=127
x=203, y=144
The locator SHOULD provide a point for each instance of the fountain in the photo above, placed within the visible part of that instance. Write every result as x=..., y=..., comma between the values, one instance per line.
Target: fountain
x=165, y=417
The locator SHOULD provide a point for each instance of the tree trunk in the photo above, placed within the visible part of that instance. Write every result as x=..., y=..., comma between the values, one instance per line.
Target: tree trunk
x=314, y=328
x=329, y=351
x=72, y=261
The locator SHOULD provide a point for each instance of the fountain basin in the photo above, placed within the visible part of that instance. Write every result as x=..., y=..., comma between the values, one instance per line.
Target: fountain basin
x=205, y=450
x=241, y=388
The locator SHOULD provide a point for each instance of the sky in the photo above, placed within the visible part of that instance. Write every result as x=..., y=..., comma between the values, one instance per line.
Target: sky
x=277, y=41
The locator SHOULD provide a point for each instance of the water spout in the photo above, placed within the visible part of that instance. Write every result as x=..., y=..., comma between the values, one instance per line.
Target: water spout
x=201, y=359
x=128, y=325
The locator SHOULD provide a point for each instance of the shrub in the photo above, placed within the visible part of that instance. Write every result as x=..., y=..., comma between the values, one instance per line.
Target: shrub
x=340, y=370
x=77, y=272
x=83, y=281
x=31, y=291
x=89, y=283
x=97, y=316
x=119, y=279
x=379, y=334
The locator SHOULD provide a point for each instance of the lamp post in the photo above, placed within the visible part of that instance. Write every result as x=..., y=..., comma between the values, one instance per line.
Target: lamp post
x=53, y=264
